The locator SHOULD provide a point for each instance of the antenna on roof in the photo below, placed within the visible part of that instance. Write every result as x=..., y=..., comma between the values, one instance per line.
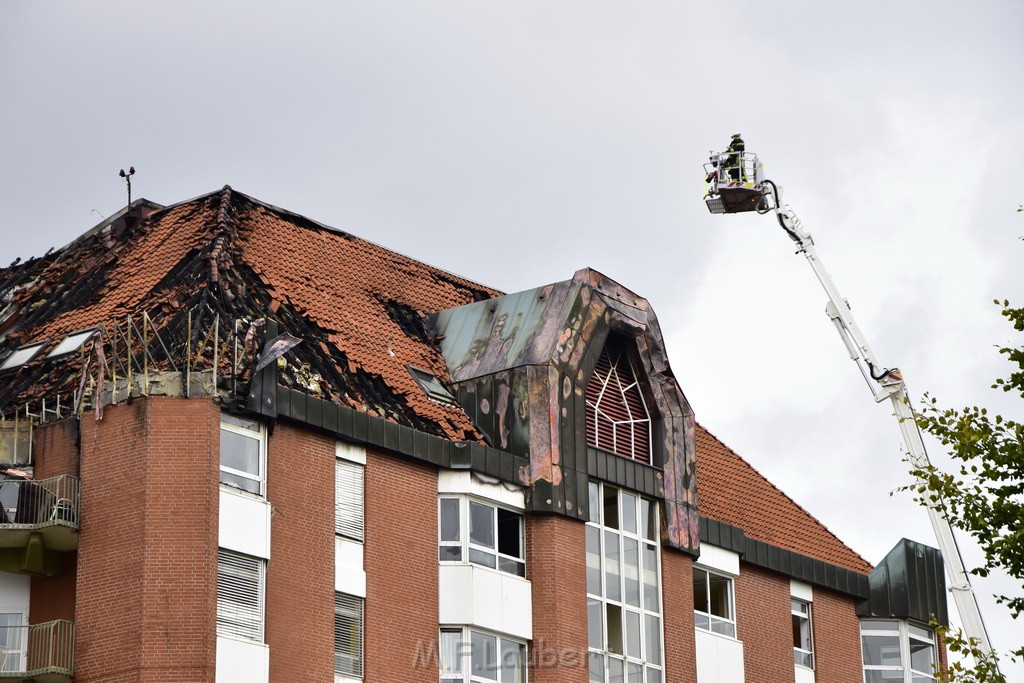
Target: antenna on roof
x=128, y=179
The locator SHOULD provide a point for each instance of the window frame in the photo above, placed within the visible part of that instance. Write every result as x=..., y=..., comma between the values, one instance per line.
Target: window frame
x=28, y=353
x=350, y=515
x=467, y=546
x=652, y=655
x=230, y=627
x=904, y=635
x=230, y=424
x=356, y=611
x=464, y=655
x=798, y=652
x=728, y=621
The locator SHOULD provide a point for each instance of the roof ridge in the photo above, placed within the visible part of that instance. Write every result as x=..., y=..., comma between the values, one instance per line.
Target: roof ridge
x=785, y=495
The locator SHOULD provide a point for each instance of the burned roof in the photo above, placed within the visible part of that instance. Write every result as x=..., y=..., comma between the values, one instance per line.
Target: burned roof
x=732, y=491
x=356, y=306
x=152, y=282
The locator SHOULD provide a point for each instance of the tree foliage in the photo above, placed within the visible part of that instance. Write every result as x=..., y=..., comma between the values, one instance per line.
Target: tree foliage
x=984, y=496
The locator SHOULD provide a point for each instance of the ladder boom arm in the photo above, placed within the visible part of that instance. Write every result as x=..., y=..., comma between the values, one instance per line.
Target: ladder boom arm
x=887, y=383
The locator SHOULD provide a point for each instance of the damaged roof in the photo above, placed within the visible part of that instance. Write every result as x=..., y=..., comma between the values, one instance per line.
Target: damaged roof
x=732, y=491
x=357, y=306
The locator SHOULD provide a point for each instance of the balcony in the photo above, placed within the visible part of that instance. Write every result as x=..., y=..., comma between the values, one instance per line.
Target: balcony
x=38, y=519
x=40, y=653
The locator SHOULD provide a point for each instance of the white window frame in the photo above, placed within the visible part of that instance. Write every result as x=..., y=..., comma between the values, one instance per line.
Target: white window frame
x=463, y=672
x=349, y=499
x=72, y=342
x=15, y=659
x=467, y=547
x=353, y=607
x=231, y=623
x=230, y=423
x=601, y=658
x=22, y=355
x=903, y=631
x=801, y=657
x=728, y=623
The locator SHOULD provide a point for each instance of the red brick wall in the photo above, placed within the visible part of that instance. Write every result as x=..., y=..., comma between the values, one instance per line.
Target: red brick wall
x=836, y=638
x=764, y=624
x=55, y=453
x=56, y=448
x=146, y=603
x=556, y=551
x=677, y=600
x=401, y=623
x=300, y=574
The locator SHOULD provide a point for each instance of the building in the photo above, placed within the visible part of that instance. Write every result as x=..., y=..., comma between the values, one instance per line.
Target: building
x=242, y=446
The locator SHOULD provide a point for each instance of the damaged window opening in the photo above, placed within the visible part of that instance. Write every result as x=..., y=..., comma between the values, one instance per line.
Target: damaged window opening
x=431, y=385
x=243, y=454
x=482, y=534
x=21, y=356
x=72, y=343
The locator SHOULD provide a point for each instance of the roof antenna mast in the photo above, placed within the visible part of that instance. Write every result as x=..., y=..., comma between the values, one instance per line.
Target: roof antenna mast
x=128, y=179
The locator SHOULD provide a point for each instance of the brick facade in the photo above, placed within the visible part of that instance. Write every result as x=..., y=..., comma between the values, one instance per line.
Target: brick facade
x=147, y=559
x=300, y=575
x=56, y=453
x=555, y=564
x=836, y=638
x=763, y=623
x=677, y=601
x=401, y=635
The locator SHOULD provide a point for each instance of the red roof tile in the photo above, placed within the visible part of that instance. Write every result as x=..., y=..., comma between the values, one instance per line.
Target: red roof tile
x=730, y=490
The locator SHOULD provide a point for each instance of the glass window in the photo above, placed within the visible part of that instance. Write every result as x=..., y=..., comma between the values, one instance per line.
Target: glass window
x=242, y=454
x=348, y=635
x=623, y=588
x=71, y=343
x=21, y=356
x=713, y=602
x=473, y=656
x=240, y=586
x=897, y=651
x=481, y=533
x=803, y=651
x=13, y=641
x=348, y=499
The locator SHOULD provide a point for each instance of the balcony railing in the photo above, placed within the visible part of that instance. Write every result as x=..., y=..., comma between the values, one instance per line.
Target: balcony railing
x=49, y=506
x=42, y=652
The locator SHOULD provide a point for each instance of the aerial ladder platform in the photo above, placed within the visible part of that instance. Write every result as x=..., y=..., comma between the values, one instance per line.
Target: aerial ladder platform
x=735, y=183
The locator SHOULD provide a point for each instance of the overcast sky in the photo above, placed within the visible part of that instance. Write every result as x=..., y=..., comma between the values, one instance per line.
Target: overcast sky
x=516, y=142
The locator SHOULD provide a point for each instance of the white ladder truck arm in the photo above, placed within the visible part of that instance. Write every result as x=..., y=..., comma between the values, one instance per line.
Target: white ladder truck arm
x=726, y=193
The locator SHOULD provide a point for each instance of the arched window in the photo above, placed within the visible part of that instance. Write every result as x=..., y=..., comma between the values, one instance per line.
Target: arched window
x=617, y=416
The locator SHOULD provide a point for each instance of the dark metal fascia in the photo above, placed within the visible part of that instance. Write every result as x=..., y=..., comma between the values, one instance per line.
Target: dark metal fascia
x=374, y=431
x=786, y=562
x=625, y=473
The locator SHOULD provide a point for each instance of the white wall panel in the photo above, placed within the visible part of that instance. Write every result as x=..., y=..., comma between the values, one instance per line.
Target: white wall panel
x=719, y=658
x=239, y=661
x=489, y=599
x=244, y=524
x=349, y=576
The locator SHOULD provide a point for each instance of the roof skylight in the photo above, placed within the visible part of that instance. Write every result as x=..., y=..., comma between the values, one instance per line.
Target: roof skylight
x=432, y=386
x=21, y=356
x=72, y=343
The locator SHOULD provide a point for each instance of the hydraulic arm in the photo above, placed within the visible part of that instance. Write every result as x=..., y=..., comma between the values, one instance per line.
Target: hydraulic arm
x=885, y=383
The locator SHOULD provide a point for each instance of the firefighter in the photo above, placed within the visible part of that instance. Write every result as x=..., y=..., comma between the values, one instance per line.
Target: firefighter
x=734, y=156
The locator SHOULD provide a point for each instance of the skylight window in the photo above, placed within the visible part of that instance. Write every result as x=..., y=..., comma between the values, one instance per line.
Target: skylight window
x=72, y=343
x=431, y=385
x=21, y=356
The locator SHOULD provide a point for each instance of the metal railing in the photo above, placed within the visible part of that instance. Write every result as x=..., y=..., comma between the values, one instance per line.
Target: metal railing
x=28, y=502
x=47, y=648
